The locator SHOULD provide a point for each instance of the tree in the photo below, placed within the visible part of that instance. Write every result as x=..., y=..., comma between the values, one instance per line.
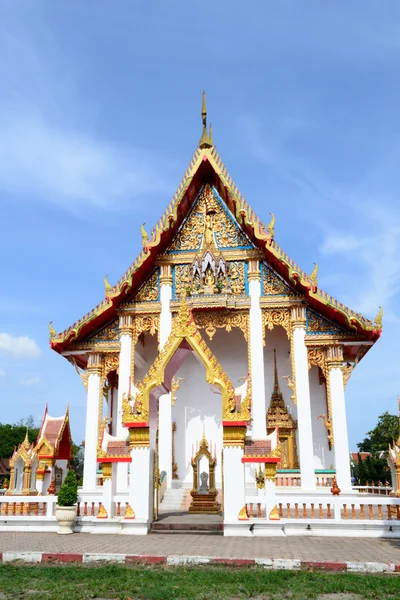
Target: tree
x=12, y=435
x=379, y=438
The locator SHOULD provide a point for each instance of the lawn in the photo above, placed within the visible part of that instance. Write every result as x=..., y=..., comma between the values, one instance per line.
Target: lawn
x=80, y=582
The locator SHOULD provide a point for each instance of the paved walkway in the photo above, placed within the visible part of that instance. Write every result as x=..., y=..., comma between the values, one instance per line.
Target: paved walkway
x=301, y=548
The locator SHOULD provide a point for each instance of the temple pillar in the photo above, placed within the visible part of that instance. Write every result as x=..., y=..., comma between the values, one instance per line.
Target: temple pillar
x=339, y=420
x=109, y=471
x=165, y=407
x=92, y=422
x=114, y=407
x=234, y=483
x=256, y=353
x=234, y=492
x=140, y=484
x=304, y=427
x=124, y=381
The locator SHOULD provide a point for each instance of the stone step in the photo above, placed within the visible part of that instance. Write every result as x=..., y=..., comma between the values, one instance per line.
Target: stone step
x=188, y=527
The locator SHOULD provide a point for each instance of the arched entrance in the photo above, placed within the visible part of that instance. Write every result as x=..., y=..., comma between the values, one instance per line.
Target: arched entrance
x=140, y=410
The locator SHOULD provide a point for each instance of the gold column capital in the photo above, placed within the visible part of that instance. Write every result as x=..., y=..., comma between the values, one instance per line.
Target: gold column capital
x=253, y=273
x=298, y=316
x=126, y=325
x=166, y=275
x=94, y=365
x=334, y=356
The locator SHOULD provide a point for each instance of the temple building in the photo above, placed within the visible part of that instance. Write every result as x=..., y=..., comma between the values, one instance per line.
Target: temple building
x=36, y=468
x=214, y=366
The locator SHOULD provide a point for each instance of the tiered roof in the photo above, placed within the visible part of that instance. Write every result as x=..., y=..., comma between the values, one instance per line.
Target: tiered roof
x=206, y=166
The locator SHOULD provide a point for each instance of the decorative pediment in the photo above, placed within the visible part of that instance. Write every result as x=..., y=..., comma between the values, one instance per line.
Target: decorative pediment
x=110, y=333
x=150, y=290
x=210, y=223
x=206, y=277
x=44, y=449
x=272, y=284
x=318, y=325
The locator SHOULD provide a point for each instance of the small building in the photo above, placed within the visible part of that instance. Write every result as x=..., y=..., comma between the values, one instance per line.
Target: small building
x=34, y=466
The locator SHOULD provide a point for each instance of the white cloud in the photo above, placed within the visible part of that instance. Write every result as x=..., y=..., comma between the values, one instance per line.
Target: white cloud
x=2, y=373
x=343, y=243
x=29, y=382
x=50, y=147
x=67, y=167
x=14, y=346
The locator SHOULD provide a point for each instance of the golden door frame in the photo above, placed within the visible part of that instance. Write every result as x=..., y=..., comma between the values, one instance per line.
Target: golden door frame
x=184, y=330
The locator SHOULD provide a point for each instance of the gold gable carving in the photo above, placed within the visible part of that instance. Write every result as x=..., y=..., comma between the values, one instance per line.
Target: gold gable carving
x=273, y=285
x=150, y=289
x=184, y=329
x=45, y=448
x=209, y=223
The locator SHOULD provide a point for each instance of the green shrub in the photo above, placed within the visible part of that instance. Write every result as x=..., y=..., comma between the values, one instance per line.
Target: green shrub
x=68, y=494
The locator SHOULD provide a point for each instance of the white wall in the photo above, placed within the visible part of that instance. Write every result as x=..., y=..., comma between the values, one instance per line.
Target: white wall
x=323, y=457
x=196, y=407
x=148, y=352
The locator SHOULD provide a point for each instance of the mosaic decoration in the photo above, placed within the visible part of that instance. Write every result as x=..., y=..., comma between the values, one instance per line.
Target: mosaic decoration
x=317, y=325
x=110, y=333
x=209, y=224
x=210, y=276
x=149, y=292
x=272, y=284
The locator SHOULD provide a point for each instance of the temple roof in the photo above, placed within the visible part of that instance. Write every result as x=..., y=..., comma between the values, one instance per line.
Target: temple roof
x=205, y=167
x=52, y=433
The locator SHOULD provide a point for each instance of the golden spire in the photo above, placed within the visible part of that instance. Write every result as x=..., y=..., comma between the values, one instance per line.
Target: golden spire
x=205, y=141
x=271, y=226
x=25, y=443
x=107, y=286
x=314, y=275
x=378, y=318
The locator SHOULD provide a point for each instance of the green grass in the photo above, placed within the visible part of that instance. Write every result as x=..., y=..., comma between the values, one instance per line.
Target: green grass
x=80, y=582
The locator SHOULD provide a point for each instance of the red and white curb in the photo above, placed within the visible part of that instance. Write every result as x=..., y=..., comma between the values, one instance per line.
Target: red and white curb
x=177, y=560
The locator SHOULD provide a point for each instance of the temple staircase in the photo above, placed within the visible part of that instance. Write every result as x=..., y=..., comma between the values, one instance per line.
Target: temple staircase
x=175, y=500
x=174, y=516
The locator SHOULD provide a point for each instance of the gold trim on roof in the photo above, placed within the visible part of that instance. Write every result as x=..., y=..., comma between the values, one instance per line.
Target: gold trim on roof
x=245, y=215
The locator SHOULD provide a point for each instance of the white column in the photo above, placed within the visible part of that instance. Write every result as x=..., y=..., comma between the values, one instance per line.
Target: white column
x=92, y=423
x=114, y=414
x=234, y=483
x=165, y=408
x=39, y=486
x=109, y=489
x=258, y=409
x=125, y=369
x=140, y=485
x=304, y=426
x=339, y=420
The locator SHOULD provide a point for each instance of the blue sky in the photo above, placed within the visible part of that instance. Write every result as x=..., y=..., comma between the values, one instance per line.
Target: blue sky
x=99, y=117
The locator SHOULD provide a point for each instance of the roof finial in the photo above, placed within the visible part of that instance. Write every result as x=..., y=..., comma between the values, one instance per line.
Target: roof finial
x=204, y=109
x=205, y=141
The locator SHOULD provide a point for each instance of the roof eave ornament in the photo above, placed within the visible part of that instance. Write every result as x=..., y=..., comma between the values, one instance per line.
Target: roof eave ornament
x=378, y=319
x=206, y=138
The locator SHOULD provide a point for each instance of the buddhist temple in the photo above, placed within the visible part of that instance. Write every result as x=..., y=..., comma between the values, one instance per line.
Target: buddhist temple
x=33, y=467
x=215, y=367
